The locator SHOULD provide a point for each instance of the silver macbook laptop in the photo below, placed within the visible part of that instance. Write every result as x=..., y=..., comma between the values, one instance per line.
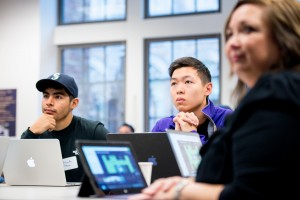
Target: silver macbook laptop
x=35, y=162
x=4, y=141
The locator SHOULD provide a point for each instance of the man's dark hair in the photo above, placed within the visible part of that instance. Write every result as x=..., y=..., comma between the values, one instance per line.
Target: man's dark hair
x=129, y=126
x=202, y=70
x=57, y=86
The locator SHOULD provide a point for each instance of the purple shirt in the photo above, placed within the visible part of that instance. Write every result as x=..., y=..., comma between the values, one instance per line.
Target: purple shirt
x=215, y=114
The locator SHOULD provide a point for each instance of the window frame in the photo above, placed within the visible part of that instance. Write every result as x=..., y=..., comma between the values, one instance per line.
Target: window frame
x=61, y=23
x=91, y=45
x=147, y=15
x=147, y=42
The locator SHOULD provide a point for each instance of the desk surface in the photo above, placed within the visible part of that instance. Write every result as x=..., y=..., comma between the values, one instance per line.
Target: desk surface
x=8, y=192
x=38, y=192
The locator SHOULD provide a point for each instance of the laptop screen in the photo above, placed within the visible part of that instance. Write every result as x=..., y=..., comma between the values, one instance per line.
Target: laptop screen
x=152, y=147
x=186, y=148
x=113, y=167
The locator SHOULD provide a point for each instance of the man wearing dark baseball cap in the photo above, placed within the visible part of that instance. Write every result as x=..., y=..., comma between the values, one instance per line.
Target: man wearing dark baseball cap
x=57, y=81
x=60, y=97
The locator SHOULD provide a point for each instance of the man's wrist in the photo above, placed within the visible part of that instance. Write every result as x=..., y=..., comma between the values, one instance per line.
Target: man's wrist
x=179, y=187
x=32, y=131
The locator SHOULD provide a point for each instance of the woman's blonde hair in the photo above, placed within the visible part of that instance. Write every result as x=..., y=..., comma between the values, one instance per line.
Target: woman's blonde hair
x=282, y=17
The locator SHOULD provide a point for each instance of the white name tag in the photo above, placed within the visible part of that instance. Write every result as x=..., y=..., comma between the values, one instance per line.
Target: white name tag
x=70, y=163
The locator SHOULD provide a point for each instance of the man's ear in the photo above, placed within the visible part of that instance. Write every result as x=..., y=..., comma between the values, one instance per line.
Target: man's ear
x=208, y=87
x=74, y=103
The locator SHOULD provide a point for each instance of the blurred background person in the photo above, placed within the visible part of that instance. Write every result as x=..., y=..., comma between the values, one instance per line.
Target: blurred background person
x=125, y=128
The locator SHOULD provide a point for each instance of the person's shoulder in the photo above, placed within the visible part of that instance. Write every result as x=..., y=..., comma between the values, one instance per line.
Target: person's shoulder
x=85, y=121
x=224, y=109
x=90, y=129
x=163, y=123
x=214, y=110
x=166, y=119
x=281, y=87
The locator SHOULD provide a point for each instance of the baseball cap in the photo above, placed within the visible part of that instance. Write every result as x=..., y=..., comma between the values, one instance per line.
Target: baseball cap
x=58, y=80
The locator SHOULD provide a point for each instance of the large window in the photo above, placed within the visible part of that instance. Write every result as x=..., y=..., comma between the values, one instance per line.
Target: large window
x=159, y=8
x=160, y=54
x=151, y=45
x=99, y=72
x=83, y=11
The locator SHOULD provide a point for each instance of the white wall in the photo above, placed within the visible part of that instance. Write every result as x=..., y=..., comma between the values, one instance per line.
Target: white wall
x=20, y=55
x=28, y=46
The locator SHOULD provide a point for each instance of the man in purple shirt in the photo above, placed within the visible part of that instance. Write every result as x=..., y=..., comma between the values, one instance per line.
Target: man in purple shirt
x=190, y=87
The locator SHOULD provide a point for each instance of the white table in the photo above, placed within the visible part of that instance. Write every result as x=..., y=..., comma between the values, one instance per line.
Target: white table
x=38, y=192
x=8, y=192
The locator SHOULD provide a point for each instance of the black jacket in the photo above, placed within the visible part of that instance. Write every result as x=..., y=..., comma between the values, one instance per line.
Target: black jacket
x=257, y=154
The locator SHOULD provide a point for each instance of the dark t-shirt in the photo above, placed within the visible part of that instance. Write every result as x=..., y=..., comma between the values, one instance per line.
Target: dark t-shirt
x=79, y=128
x=202, y=129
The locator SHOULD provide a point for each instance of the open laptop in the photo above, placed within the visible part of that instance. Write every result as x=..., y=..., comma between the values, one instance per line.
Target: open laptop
x=35, y=162
x=111, y=169
x=163, y=151
x=4, y=142
x=186, y=148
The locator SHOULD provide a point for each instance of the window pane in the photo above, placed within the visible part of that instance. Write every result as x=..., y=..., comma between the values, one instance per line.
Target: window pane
x=208, y=52
x=159, y=58
x=184, y=6
x=96, y=63
x=100, y=74
x=73, y=58
x=115, y=9
x=207, y=5
x=157, y=8
x=161, y=103
x=184, y=47
x=81, y=11
x=214, y=96
x=161, y=55
x=115, y=63
x=94, y=10
x=71, y=11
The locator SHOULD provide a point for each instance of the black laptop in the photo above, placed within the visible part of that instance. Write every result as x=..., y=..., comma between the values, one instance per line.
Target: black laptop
x=111, y=169
x=172, y=153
